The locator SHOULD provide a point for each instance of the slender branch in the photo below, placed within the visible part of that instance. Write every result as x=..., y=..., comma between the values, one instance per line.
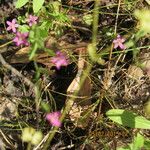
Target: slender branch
x=16, y=72
x=116, y=22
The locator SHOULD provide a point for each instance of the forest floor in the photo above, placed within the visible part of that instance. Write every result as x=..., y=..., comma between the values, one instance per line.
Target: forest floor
x=120, y=79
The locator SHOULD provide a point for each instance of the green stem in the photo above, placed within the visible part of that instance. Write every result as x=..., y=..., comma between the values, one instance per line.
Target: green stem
x=116, y=23
x=29, y=146
x=95, y=22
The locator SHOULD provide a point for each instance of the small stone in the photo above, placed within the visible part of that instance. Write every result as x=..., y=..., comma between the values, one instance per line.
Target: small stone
x=8, y=109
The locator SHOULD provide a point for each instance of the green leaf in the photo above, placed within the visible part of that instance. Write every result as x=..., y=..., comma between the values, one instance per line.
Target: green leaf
x=56, y=6
x=32, y=36
x=49, y=51
x=33, y=51
x=45, y=106
x=42, y=32
x=147, y=144
x=138, y=142
x=144, y=19
x=88, y=19
x=21, y=3
x=124, y=148
x=37, y=137
x=27, y=134
x=24, y=28
x=147, y=108
x=37, y=5
x=128, y=119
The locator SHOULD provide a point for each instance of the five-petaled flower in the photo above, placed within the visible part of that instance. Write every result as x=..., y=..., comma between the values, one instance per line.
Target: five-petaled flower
x=12, y=25
x=21, y=39
x=59, y=60
x=118, y=42
x=32, y=20
x=53, y=118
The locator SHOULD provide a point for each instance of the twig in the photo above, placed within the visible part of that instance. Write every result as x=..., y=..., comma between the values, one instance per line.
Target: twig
x=15, y=71
x=3, y=48
x=6, y=140
x=110, y=72
x=43, y=141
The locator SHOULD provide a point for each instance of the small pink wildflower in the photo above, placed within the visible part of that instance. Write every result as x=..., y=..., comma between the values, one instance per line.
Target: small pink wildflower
x=118, y=42
x=21, y=39
x=12, y=25
x=32, y=20
x=59, y=60
x=53, y=118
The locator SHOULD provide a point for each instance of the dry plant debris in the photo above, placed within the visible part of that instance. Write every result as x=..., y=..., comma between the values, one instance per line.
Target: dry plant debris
x=61, y=72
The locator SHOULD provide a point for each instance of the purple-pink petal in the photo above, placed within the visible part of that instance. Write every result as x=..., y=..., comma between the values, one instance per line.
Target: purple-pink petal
x=14, y=21
x=53, y=118
x=122, y=46
x=8, y=22
x=59, y=60
x=17, y=41
x=118, y=36
x=116, y=45
x=21, y=39
x=114, y=41
x=12, y=25
x=8, y=28
x=32, y=20
x=122, y=40
x=118, y=42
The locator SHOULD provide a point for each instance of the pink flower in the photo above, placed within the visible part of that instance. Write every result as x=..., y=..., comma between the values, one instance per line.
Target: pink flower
x=118, y=42
x=53, y=118
x=59, y=60
x=32, y=20
x=12, y=25
x=21, y=39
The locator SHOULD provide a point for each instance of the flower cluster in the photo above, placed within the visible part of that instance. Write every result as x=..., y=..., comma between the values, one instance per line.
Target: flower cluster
x=59, y=60
x=32, y=20
x=21, y=38
x=118, y=42
x=54, y=118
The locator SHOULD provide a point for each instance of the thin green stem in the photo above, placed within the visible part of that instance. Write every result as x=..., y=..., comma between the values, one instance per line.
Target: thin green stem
x=116, y=23
x=95, y=22
x=29, y=146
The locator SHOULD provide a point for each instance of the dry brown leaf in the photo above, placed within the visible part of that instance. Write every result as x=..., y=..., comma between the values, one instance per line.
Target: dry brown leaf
x=22, y=55
x=79, y=105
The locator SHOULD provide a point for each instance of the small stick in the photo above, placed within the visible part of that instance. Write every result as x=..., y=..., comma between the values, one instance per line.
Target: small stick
x=15, y=71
